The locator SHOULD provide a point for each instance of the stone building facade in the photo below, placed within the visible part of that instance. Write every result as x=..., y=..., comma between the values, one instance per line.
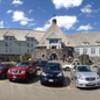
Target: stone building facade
x=53, y=45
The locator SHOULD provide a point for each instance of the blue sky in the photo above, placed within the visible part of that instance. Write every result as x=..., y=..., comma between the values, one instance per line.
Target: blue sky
x=73, y=16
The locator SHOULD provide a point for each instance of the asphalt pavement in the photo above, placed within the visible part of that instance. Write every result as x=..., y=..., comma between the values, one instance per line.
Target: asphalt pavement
x=35, y=91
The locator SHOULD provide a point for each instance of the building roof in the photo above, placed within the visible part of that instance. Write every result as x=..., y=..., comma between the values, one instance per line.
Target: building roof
x=84, y=38
x=20, y=34
x=77, y=39
x=54, y=32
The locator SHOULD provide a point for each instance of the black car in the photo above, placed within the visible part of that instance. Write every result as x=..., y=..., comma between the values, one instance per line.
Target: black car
x=40, y=64
x=53, y=74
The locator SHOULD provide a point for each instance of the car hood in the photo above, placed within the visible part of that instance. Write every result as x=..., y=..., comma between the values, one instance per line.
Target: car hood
x=18, y=68
x=3, y=69
x=87, y=74
x=52, y=72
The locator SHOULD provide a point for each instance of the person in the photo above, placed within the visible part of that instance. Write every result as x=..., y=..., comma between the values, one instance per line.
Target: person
x=64, y=58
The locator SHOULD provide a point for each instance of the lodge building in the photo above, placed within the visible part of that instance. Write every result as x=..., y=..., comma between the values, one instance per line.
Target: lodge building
x=49, y=44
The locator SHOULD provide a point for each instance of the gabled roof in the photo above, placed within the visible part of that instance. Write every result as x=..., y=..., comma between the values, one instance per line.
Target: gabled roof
x=53, y=32
x=21, y=34
x=90, y=38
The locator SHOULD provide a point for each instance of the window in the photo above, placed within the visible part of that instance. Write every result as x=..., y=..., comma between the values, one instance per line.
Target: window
x=99, y=50
x=84, y=50
x=92, y=50
x=31, y=45
x=30, y=38
x=6, y=38
x=28, y=45
x=85, y=43
x=6, y=44
x=53, y=41
x=32, y=50
x=77, y=50
x=9, y=38
x=98, y=42
x=28, y=51
x=53, y=47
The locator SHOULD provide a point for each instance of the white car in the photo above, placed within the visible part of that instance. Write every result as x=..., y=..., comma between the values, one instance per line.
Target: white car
x=67, y=67
x=84, y=77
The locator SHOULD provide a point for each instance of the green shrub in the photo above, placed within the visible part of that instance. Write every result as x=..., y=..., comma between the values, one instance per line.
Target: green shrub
x=85, y=59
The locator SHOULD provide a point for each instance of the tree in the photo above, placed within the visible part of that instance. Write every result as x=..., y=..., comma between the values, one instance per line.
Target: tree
x=85, y=59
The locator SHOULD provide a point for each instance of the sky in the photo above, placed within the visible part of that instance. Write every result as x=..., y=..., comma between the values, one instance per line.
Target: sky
x=73, y=16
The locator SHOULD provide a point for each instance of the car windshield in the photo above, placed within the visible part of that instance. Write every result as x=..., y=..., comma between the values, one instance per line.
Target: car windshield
x=23, y=64
x=84, y=69
x=52, y=67
x=2, y=66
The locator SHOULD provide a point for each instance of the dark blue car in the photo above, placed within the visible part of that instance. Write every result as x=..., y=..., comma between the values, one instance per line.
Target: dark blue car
x=52, y=73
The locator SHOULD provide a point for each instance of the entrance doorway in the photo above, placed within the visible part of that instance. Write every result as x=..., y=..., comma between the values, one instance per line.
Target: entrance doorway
x=53, y=56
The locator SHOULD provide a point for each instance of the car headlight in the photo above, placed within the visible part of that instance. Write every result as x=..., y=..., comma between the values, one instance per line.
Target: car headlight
x=81, y=78
x=22, y=72
x=9, y=71
x=43, y=74
x=59, y=75
x=98, y=77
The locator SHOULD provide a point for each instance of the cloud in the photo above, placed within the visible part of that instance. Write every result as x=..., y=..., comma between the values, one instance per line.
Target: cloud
x=19, y=16
x=44, y=28
x=17, y=2
x=9, y=11
x=66, y=3
x=1, y=24
x=85, y=27
x=87, y=9
x=66, y=22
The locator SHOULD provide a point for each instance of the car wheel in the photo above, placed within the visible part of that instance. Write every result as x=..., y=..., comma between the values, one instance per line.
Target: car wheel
x=27, y=78
x=42, y=83
x=10, y=80
x=62, y=83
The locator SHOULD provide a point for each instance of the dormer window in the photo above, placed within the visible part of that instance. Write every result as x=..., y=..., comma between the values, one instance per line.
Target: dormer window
x=9, y=38
x=30, y=38
x=85, y=43
x=98, y=42
x=53, y=41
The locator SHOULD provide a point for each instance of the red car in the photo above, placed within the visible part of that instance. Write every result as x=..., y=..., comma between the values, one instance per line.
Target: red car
x=22, y=71
x=3, y=70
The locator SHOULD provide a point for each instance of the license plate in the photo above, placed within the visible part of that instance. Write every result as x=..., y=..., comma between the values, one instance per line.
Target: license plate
x=91, y=84
x=50, y=80
x=14, y=77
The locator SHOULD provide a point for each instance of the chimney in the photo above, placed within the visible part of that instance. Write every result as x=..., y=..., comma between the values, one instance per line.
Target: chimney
x=54, y=21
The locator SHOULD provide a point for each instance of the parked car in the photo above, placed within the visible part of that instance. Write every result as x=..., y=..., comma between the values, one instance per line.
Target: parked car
x=98, y=70
x=3, y=69
x=67, y=67
x=22, y=71
x=40, y=64
x=52, y=73
x=84, y=77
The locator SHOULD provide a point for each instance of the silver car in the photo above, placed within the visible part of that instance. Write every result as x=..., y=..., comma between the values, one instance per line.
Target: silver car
x=84, y=77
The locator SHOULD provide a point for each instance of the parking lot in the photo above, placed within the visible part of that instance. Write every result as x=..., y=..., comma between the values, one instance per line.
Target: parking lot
x=34, y=91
